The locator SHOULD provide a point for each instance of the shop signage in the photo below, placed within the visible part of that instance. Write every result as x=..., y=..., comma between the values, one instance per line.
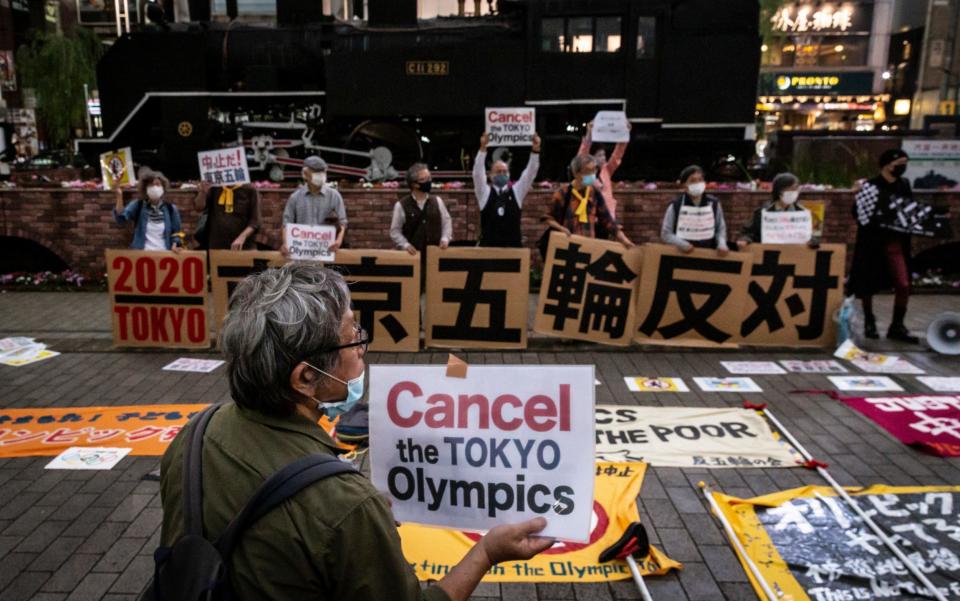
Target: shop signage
x=822, y=17
x=816, y=83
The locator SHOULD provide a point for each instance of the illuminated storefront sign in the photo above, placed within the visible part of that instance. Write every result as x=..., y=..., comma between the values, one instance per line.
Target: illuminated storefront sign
x=822, y=17
x=816, y=83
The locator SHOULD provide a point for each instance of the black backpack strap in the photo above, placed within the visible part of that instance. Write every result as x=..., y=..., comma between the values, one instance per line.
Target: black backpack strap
x=278, y=488
x=193, y=474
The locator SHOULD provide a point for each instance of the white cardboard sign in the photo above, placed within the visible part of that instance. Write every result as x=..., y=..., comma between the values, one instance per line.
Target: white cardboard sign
x=502, y=445
x=750, y=368
x=88, y=458
x=310, y=242
x=610, y=126
x=224, y=167
x=510, y=126
x=200, y=366
x=786, y=227
x=865, y=383
x=696, y=223
x=731, y=384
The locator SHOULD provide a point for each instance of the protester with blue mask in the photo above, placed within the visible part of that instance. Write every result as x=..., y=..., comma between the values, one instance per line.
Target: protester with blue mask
x=295, y=354
x=500, y=201
x=578, y=208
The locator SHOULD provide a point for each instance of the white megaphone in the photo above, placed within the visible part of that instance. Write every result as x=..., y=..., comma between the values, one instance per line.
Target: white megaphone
x=943, y=335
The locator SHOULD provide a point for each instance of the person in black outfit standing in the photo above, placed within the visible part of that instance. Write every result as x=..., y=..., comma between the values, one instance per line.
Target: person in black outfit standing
x=881, y=254
x=501, y=201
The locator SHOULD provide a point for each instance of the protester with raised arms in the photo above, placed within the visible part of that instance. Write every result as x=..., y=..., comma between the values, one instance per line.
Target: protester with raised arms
x=294, y=353
x=157, y=224
x=694, y=219
x=315, y=203
x=500, y=201
x=606, y=168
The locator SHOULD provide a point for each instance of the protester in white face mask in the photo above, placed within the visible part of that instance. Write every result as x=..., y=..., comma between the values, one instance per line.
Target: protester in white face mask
x=785, y=191
x=157, y=224
x=695, y=219
x=315, y=203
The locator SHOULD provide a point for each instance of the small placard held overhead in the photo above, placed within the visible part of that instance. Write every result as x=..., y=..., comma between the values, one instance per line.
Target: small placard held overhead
x=610, y=126
x=224, y=167
x=510, y=126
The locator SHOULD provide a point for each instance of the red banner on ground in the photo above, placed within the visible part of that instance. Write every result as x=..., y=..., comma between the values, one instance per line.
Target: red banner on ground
x=929, y=422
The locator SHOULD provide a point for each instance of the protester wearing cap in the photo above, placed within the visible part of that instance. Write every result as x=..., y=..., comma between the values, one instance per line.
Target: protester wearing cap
x=295, y=352
x=606, y=168
x=157, y=224
x=233, y=216
x=419, y=219
x=881, y=255
x=315, y=203
x=685, y=206
x=500, y=201
x=785, y=192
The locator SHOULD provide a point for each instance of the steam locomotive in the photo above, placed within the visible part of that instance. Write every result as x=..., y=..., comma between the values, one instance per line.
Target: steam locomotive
x=373, y=96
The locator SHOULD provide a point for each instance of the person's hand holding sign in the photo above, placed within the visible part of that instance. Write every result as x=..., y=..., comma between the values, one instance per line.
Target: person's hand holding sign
x=508, y=542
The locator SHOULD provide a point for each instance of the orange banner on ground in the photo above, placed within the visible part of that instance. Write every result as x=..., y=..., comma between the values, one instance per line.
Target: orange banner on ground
x=147, y=429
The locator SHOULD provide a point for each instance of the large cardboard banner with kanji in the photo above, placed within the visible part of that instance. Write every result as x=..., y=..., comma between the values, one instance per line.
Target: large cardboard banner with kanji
x=477, y=297
x=929, y=422
x=693, y=298
x=689, y=437
x=792, y=295
x=146, y=429
x=229, y=267
x=588, y=291
x=158, y=298
x=810, y=546
x=433, y=551
x=385, y=291
x=504, y=444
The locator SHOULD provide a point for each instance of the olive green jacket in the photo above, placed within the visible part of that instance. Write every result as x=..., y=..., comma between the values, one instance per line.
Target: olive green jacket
x=334, y=540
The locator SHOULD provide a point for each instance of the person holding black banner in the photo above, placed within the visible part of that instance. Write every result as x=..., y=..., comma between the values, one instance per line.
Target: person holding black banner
x=785, y=192
x=419, y=219
x=157, y=224
x=232, y=216
x=881, y=254
x=295, y=353
x=695, y=219
x=500, y=201
x=579, y=209
x=315, y=203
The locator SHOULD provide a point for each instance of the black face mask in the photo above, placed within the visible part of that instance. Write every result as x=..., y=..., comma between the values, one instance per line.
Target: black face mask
x=899, y=170
x=425, y=186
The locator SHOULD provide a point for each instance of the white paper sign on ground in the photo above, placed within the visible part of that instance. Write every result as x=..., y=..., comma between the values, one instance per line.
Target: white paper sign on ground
x=610, y=126
x=816, y=366
x=310, y=242
x=644, y=384
x=202, y=366
x=941, y=383
x=851, y=352
x=865, y=383
x=786, y=227
x=19, y=360
x=510, y=126
x=504, y=444
x=9, y=345
x=88, y=458
x=696, y=223
x=901, y=366
x=736, y=384
x=224, y=167
x=752, y=368
x=689, y=437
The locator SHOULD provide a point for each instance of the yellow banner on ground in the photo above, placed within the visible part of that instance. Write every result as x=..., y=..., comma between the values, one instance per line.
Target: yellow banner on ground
x=810, y=545
x=434, y=551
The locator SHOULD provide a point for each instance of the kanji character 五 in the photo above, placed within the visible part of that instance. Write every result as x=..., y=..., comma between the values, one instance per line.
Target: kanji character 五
x=472, y=295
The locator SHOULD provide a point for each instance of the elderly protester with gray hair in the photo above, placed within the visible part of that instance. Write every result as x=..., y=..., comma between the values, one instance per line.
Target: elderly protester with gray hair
x=784, y=194
x=419, y=219
x=295, y=352
x=578, y=208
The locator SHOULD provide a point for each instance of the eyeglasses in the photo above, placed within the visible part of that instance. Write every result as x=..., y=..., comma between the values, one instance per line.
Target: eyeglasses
x=361, y=340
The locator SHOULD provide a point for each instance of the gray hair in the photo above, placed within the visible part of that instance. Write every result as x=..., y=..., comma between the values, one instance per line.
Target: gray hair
x=580, y=162
x=277, y=319
x=413, y=171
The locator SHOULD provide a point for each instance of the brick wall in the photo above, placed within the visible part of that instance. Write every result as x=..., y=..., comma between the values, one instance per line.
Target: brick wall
x=78, y=224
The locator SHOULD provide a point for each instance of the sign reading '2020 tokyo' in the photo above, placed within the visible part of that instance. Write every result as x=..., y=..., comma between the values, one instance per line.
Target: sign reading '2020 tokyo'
x=504, y=444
